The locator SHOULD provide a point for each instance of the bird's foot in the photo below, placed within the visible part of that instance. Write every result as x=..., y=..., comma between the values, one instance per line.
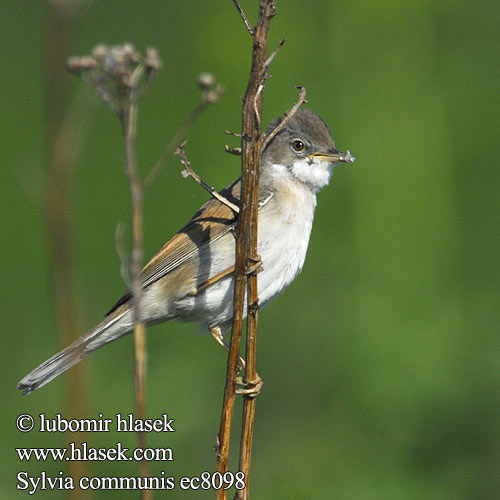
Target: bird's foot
x=250, y=388
x=255, y=266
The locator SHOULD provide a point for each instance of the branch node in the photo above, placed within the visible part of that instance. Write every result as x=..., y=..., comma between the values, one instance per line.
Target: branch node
x=233, y=151
x=253, y=307
x=217, y=446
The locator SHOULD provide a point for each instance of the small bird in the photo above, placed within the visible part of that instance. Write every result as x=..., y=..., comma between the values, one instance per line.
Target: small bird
x=192, y=277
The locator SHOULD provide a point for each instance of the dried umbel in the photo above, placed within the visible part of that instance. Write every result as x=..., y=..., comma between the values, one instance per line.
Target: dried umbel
x=210, y=89
x=118, y=73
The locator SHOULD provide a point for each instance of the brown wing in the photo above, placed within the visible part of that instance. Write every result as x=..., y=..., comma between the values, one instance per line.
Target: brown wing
x=211, y=222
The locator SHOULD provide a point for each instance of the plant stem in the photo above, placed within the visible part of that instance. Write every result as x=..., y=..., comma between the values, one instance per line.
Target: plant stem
x=246, y=253
x=129, y=119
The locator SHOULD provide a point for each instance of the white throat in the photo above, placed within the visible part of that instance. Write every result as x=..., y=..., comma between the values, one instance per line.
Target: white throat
x=314, y=173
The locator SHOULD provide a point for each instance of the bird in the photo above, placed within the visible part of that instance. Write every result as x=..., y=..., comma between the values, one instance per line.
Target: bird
x=191, y=278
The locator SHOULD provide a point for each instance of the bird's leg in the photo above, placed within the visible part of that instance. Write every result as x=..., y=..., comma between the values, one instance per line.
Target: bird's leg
x=251, y=388
x=216, y=333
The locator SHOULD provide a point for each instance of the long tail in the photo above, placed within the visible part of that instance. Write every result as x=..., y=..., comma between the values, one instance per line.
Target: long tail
x=113, y=327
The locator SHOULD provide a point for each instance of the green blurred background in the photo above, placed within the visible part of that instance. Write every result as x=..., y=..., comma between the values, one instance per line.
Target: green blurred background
x=381, y=361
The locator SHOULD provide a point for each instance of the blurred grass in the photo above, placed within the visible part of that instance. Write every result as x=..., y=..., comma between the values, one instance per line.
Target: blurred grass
x=381, y=361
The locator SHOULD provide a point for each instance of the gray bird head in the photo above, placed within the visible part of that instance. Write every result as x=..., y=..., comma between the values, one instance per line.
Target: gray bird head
x=305, y=147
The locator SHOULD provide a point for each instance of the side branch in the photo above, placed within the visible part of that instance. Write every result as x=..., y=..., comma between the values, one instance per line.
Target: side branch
x=189, y=172
x=293, y=110
x=273, y=53
x=245, y=19
x=211, y=92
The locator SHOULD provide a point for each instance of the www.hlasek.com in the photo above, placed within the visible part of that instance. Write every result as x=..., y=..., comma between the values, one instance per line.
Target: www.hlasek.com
x=83, y=452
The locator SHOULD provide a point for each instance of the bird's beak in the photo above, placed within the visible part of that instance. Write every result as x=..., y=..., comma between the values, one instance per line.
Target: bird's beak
x=335, y=157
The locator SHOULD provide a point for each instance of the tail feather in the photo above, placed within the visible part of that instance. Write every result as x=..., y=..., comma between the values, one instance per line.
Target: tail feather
x=110, y=329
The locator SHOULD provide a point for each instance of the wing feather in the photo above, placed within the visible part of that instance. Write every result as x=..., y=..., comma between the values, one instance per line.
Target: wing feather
x=211, y=222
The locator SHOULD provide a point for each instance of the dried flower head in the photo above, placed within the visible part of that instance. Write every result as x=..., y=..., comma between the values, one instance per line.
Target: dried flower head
x=152, y=62
x=210, y=89
x=116, y=72
x=206, y=81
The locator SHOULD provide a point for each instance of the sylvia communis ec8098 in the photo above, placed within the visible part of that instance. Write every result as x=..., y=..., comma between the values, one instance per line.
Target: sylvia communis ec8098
x=191, y=277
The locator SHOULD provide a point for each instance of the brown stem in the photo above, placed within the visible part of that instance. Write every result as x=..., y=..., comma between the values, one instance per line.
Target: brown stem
x=116, y=74
x=129, y=119
x=246, y=251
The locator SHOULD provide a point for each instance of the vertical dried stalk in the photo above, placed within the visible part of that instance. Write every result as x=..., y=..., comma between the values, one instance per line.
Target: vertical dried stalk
x=121, y=76
x=246, y=250
x=129, y=121
x=251, y=156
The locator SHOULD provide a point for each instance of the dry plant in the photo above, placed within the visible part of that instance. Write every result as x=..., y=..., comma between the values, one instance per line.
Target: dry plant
x=121, y=75
x=211, y=92
x=247, y=259
x=117, y=74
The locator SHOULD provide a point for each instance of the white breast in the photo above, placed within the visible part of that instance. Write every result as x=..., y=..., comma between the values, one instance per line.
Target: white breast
x=284, y=232
x=285, y=223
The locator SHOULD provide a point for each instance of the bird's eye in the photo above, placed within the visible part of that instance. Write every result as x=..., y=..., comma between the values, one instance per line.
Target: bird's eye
x=298, y=145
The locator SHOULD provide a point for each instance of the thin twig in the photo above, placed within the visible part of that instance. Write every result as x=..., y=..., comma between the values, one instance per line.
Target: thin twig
x=189, y=172
x=233, y=151
x=234, y=134
x=257, y=102
x=172, y=145
x=245, y=19
x=122, y=254
x=293, y=110
x=211, y=93
x=273, y=53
